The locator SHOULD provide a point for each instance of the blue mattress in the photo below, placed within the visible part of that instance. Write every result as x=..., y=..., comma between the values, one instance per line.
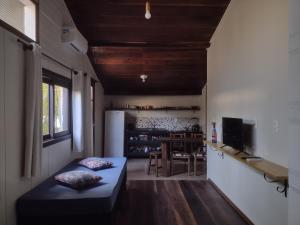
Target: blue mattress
x=51, y=198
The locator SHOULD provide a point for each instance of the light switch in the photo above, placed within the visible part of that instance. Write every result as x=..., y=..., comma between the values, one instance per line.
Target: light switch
x=275, y=126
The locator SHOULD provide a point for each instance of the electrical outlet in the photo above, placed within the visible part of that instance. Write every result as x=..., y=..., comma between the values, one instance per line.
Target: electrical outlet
x=255, y=123
x=275, y=126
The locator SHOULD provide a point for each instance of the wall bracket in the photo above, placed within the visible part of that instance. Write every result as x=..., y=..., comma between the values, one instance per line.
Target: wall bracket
x=282, y=187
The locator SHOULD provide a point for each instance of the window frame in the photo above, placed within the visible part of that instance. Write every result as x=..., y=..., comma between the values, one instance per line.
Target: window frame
x=20, y=34
x=93, y=85
x=52, y=79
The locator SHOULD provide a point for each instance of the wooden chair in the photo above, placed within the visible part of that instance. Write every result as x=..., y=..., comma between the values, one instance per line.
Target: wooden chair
x=178, y=151
x=154, y=155
x=178, y=145
x=195, y=146
x=197, y=150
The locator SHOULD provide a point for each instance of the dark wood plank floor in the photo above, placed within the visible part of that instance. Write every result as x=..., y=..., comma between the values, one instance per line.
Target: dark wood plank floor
x=175, y=203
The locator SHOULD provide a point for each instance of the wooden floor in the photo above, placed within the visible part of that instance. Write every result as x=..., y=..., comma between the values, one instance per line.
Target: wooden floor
x=159, y=202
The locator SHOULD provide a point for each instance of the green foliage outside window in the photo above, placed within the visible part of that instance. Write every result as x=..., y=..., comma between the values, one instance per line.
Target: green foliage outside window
x=45, y=120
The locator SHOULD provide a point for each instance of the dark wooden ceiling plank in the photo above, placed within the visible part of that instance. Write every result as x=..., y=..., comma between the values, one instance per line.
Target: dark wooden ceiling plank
x=153, y=92
x=139, y=10
x=181, y=3
x=155, y=86
x=150, y=56
x=140, y=35
x=188, y=77
x=162, y=62
x=180, y=58
x=101, y=21
x=150, y=70
x=138, y=48
x=196, y=45
x=93, y=31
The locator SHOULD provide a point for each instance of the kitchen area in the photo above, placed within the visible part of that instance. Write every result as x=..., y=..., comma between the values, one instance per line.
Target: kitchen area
x=140, y=122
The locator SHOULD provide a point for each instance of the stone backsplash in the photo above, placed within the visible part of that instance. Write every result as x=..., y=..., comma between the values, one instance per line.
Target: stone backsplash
x=168, y=123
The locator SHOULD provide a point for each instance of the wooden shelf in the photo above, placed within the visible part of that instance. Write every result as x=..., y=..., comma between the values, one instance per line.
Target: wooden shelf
x=268, y=168
x=159, y=109
x=140, y=142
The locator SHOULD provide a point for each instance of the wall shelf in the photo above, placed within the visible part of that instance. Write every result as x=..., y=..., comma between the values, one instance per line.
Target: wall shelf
x=272, y=172
x=160, y=109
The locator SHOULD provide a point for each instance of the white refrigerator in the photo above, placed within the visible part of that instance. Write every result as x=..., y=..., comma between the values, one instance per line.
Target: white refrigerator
x=114, y=133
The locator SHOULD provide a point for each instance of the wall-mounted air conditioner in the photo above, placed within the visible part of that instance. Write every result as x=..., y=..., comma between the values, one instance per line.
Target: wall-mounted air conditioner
x=71, y=36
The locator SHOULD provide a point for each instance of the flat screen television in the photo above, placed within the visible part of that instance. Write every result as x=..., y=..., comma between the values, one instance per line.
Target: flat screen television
x=232, y=129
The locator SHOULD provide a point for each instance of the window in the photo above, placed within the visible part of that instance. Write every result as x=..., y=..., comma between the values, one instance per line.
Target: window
x=20, y=16
x=56, y=108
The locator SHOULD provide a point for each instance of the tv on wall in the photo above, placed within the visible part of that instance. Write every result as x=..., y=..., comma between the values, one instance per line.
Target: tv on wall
x=233, y=132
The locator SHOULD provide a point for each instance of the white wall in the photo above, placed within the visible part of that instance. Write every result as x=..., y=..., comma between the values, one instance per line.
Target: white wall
x=203, y=111
x=247, y=78
x=53, y=15
x=14, y=114
x=160, y=101
x=294, y=112
x=13, y=13
x=247, y=189
x=2, y=129
x=247, y=72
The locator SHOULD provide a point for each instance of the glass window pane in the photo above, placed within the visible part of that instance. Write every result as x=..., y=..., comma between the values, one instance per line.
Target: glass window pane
x=92, y=92
x=30, y=21
x=61, y=109
x=21, y=15
x=45, y=118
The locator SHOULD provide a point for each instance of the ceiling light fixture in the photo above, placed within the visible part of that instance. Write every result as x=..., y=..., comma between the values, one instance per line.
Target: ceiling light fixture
x=148, y=14
x=144, y=77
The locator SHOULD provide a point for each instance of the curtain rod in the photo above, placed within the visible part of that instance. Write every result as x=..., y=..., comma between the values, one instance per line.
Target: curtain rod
x=27, y=46
x=63, y=65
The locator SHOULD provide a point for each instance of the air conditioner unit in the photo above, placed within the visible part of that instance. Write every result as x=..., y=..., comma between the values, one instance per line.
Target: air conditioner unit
x=74, y=38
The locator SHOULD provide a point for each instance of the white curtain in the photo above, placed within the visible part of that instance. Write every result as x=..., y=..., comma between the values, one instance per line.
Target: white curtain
x=88, y=134
x=33, y=111
x=77, y=111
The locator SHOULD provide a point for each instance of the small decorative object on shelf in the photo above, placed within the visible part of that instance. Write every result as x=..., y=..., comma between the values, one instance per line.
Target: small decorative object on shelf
x=143, y=137
x=214, y=138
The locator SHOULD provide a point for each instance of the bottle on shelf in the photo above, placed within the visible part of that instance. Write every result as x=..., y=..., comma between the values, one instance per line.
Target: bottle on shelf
x=214, y=135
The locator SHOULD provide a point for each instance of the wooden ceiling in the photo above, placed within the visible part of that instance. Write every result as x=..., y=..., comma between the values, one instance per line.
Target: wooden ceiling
x=170, y=47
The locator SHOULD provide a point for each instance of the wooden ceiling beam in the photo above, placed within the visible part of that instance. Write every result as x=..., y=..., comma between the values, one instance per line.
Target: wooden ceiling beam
x=101, y=21
x=168, y=3
x=193, y=46
x=150, y=70
x=145, y=36
x=189, y=77
x=121, y=61
x=129, y=20
x=84, y=11
x=152, y=92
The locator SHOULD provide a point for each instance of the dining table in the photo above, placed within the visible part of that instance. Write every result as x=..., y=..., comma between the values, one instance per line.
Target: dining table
x=165, y=150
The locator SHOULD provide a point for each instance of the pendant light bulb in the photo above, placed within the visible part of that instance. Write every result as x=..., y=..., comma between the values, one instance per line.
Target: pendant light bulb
x=144, y=77
x=148, y=14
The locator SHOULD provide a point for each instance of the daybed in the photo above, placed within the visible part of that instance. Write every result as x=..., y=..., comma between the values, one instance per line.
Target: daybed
x=51, y=203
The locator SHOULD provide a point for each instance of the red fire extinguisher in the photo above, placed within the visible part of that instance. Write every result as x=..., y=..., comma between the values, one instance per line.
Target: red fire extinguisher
x=214, y=137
